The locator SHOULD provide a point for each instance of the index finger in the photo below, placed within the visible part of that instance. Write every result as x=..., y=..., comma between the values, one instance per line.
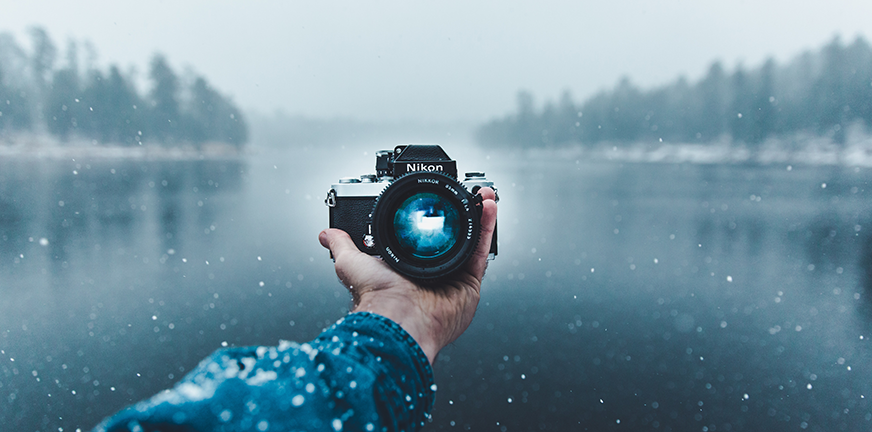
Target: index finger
x=478, y=261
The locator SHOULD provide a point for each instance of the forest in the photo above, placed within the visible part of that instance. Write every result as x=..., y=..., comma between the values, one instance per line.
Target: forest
x=821, y=92
x=40, y=94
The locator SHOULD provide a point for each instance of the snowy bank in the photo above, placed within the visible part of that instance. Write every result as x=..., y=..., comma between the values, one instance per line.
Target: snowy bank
x=799, y=150
x=38, y=146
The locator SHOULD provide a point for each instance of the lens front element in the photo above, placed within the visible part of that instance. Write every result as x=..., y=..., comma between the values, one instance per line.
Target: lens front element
x=427, y=225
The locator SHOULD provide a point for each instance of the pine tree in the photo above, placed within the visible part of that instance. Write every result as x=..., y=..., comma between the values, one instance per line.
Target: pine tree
x=62, y=108
x=164, y=98
x=15, y=112
x=831, y=100
x=121, y=109
x=712, y=91
x=763, y=112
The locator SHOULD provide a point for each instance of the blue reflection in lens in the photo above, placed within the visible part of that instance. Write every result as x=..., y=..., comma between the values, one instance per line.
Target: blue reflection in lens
x=426, y=225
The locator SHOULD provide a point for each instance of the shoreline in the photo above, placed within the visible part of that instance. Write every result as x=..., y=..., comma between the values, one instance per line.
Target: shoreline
x=808, y=150
x=799, y=150
x=47, y=147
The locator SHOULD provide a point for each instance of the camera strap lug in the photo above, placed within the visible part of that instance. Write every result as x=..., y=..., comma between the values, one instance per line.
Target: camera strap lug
x=368, y=239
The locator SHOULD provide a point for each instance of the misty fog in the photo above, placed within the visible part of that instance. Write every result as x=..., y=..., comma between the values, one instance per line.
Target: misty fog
x=684, y=215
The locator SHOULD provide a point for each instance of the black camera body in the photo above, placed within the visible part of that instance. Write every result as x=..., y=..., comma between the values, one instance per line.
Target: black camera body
x=413, y=212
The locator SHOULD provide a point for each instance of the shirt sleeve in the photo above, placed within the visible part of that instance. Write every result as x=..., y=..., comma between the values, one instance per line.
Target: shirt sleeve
x=364, y=373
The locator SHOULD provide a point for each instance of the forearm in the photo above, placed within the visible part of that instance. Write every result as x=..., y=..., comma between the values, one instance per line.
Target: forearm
x=363, y=373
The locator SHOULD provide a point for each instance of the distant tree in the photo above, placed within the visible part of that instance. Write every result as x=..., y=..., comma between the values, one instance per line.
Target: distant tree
x=656, y=103
x=832, y=92
x=594, y=122
x=665, y=112
x=201, y=112
x=797, y=95
x=164, y=98
x=625, y=116
x=15, y=113
x=41, y=63
x=524, y=101
x=93, y=120
x=14, y=61
x=73, y=56
x=823, y=91
x=122, y=110
x=741, y=106
x=679, y=122
x=105, y=105
x=563, y=125
x=213, y=117
x=859, y=55
x=524, y=128
x=4, y=122
x=16, y=101
x=527, y=127
x=763, y=112
x=3, y=92
x=61, y=107
x=713, y=95
x=113, y=111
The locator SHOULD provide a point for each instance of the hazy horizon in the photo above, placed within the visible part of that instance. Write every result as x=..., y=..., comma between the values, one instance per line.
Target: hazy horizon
x=442, y=62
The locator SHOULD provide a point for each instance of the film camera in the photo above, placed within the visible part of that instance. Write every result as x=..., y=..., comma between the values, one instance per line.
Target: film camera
x=413, y=212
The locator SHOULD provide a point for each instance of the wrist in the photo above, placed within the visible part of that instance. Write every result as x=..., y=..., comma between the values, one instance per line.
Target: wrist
x=403, y=311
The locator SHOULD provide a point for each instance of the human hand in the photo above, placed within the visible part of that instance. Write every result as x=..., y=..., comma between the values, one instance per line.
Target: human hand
x=434, y=314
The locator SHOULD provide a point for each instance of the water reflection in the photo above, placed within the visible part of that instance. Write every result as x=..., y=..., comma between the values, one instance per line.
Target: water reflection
x=80, y=243
x=669, y=297
x=691, y=297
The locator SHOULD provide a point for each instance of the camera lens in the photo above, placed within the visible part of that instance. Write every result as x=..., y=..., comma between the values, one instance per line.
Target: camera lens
x=426, y=225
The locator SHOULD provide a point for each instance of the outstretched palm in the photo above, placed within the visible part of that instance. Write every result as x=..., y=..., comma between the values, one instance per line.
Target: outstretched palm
x=434, y=314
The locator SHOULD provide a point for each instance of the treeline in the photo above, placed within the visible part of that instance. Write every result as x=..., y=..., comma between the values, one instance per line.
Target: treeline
x=819, y=92
x=69, y=101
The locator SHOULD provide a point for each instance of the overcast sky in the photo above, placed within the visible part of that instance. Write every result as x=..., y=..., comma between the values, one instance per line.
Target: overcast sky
x=429, y=60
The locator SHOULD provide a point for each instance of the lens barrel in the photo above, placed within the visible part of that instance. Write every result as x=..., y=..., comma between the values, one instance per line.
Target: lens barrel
x=426, y=225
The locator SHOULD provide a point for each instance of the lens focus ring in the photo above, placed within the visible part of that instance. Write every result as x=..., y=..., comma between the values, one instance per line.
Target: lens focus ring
x=426, y=225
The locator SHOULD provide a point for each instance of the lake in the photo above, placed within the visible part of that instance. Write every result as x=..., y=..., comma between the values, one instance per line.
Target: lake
x=625, y=296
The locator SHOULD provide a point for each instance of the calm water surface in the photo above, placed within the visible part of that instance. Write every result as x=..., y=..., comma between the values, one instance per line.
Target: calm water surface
x=625, y=296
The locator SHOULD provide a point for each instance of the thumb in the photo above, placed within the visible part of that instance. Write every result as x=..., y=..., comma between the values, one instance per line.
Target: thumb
x=344, y=251
x=337, y=241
